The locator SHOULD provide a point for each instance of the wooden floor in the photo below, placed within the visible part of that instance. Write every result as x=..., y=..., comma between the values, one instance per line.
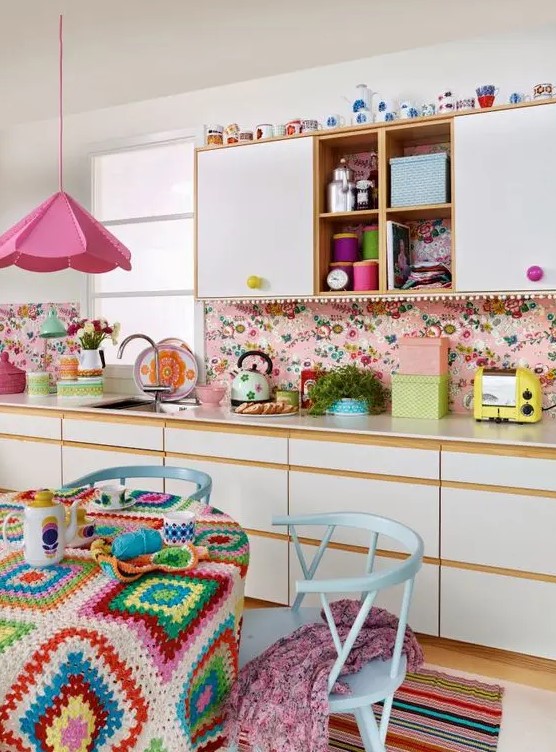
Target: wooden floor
x=475, y=659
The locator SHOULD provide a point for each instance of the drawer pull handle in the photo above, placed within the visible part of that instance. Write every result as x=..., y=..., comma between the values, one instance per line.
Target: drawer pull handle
x=254, y=282
x=535, y=273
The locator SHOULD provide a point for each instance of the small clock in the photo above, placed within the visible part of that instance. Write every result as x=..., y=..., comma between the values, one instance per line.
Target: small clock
x=337, y=279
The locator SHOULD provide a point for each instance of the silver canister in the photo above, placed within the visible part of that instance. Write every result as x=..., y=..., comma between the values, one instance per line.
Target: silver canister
x=341, y=190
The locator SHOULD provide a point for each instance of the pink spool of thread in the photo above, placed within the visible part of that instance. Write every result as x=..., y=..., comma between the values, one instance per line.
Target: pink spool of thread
x=365, y=276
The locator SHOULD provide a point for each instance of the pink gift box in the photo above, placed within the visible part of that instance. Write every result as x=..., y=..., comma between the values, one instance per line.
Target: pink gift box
x=424, y=356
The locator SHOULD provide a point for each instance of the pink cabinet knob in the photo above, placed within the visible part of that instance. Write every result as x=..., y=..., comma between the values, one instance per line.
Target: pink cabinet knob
x=535, y=273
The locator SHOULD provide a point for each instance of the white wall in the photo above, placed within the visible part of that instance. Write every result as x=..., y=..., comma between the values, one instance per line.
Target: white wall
x=28, y=171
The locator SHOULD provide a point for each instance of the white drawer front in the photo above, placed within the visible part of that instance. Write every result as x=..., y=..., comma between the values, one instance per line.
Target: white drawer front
x=366, y=458
x=28, y=464
x=497, y=470
x=40, y=426
x=415, y=505
x=134, y=436
x=232, y=446
x=250, y=495
x=499, y=530
x=267, y=576
x=423, y=614
x=78, y=461
x=502, y=612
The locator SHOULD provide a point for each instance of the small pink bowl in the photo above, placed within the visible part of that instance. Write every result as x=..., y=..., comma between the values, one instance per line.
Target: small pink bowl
x=210, y=394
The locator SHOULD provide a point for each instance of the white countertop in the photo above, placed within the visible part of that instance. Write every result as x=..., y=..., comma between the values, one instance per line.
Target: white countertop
x=450, y=428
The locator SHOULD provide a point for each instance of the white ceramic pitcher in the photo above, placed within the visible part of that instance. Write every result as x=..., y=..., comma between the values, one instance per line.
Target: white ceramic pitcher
x=45, y=532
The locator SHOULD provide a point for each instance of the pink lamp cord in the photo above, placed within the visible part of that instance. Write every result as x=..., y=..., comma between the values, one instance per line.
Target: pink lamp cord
x=61, y=115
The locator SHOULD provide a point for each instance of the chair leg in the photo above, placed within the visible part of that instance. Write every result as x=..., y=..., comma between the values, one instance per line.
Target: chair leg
x=370, y=736
x=385, y=718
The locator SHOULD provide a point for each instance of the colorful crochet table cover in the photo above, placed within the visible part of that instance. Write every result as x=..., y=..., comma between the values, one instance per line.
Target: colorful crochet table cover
x=90, y=664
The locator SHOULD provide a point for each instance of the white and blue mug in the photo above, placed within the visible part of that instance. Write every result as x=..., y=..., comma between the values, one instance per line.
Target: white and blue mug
x=334, y=121
x=385, y=105
x=178, y=528
x=362, y=117
x=408, y=110
x=517, y=98
x=465, y=104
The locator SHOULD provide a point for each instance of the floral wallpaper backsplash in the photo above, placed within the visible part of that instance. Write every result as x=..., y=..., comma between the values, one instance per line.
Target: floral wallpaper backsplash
x=492, y=333
x=20, y=325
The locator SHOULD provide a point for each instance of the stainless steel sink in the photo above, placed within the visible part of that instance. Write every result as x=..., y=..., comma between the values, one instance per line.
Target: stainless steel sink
x=127, y=403
x=140, y=404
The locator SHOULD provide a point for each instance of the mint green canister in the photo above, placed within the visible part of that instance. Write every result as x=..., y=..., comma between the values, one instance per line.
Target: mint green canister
x=369, y=245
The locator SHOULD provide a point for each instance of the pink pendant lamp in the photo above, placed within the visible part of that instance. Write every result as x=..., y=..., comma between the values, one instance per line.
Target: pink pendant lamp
x=60, y=233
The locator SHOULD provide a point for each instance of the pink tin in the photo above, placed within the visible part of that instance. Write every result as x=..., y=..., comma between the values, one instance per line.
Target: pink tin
x=424, y=356
x=12, y=378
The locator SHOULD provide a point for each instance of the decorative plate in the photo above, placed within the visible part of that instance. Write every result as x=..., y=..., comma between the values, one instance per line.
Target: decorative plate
x=178, y=368
x=177, y=342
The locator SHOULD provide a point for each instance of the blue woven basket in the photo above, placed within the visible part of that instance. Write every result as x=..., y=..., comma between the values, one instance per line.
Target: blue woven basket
x=423, y=179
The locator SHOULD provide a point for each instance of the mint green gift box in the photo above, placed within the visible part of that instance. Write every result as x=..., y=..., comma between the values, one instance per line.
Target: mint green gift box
x=419, y=396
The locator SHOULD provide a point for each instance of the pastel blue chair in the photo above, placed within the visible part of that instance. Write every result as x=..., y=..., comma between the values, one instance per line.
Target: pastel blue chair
x=203, y=481
x=378, y=680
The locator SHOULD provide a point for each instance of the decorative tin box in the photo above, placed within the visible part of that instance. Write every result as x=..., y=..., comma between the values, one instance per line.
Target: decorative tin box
x=419, y=396
x=425, y=356
x=81, y=388
x=422, y=179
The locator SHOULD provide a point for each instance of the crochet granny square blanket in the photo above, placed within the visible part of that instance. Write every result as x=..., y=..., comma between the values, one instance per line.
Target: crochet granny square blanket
x=91, y=664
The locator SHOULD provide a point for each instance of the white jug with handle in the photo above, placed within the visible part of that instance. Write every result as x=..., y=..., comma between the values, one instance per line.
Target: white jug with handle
x=362, y=103
x=45, y=532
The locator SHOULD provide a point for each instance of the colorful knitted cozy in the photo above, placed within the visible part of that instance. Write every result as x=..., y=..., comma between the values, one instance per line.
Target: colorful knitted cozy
x=91, y=664
x=280, y=700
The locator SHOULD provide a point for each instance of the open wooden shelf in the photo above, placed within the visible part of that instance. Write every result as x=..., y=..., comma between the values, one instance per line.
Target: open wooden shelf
x=395, y=140
x=420, y=291
x=415, y=213
x=357, y=216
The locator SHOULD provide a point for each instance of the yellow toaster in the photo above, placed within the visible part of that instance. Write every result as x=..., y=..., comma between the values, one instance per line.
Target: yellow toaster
x=507, y=395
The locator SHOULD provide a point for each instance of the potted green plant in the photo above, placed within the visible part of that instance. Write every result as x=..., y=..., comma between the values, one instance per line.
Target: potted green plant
x=348, y=390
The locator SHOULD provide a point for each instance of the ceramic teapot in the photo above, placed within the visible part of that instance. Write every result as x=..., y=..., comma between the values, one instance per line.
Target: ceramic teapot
x=45, y=532
x=251, y=385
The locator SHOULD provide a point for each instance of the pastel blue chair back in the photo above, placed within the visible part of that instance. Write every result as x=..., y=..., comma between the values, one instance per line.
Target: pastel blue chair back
x=203, y=481
x=378, y=680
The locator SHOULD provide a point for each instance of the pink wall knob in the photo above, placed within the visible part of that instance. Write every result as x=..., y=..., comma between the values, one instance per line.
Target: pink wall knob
x=535, y=273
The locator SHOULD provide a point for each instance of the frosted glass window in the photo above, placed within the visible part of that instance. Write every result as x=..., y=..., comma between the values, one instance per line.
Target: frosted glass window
x=146, y=182
x=158, y=317
x=161, y=258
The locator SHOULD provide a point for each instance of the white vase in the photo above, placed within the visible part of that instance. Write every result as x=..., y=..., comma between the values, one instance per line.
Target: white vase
x=90, y=364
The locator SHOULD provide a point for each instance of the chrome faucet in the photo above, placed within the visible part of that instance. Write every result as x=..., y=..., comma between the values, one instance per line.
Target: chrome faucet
x=157, y=388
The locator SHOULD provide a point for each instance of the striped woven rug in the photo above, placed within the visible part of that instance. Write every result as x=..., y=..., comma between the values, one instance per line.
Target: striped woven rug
x=433, y=712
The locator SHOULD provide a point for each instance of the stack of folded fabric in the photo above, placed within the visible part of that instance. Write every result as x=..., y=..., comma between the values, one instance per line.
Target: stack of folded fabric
x=428, y=274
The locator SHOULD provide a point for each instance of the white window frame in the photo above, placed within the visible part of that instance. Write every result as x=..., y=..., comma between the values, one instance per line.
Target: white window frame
x=130, y=144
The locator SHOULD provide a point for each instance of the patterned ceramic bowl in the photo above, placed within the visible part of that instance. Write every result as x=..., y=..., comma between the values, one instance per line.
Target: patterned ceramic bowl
x=349, y=407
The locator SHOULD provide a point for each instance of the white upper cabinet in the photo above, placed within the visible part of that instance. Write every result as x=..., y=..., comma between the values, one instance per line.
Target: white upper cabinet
x=255, y=219
x=505, y=189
